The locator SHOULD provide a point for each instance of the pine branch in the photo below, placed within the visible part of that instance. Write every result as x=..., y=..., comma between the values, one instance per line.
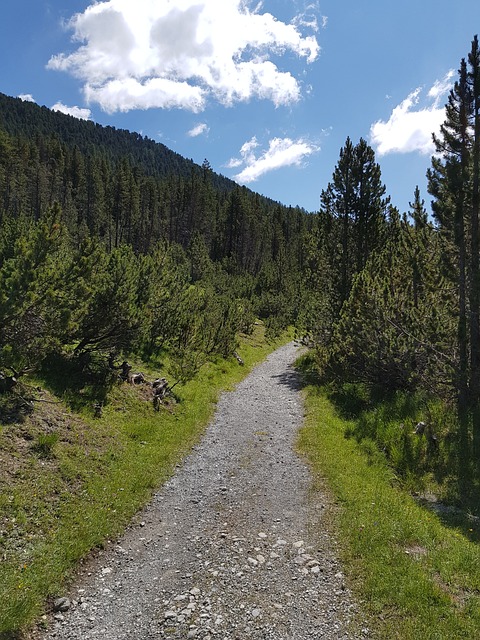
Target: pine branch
x=428, y=345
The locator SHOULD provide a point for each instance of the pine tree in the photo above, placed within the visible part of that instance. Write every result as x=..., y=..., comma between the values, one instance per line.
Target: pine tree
x=473, y=80
x=33, y=314
x=448, y=183
x=338, y=202
x=454, y=184
x=355, y=201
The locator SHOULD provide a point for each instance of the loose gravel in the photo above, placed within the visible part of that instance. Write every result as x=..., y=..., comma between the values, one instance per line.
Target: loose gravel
x=232, y=547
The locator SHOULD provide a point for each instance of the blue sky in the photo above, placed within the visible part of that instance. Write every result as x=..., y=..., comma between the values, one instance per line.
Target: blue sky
x=266, y=91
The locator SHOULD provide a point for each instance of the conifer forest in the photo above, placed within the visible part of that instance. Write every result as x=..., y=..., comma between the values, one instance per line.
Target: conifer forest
x=113, y=245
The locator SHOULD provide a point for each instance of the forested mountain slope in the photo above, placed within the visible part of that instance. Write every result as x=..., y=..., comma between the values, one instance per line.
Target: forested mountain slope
x=96, y=173
x=27, y=119
x=110, y=241
x=22, y=118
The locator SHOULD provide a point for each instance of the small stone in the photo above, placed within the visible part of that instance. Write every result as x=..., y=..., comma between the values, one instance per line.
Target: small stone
x=59, y=616
x=61, y=604
x=262, y=535
x=253, y=562
x=168, y=615
x=261, y=559
x=106, y=571
x=192, y=634
x=256, y=613
x=274, y=555
x=195, y=591
x=315, y=569
x=299, y=544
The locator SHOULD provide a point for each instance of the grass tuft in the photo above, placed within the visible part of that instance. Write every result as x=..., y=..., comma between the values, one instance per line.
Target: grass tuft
x=45, y=445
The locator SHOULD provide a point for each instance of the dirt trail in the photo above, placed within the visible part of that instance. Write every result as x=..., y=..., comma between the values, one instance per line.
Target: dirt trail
x=232, y=547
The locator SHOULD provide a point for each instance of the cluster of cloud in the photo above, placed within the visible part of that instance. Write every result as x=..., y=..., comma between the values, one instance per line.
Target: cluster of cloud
x=76, y=112
x=180, y=53
x=410, y=125
x=27, y=97
x=198, y=130
x=281, y=152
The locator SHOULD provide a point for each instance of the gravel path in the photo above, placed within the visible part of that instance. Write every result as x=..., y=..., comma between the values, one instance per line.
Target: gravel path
x=232, y=547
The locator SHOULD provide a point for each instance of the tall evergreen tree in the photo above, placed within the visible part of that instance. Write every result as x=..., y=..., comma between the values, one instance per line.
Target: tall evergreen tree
x=355, y=199
x=454, y=184
x=473, y=79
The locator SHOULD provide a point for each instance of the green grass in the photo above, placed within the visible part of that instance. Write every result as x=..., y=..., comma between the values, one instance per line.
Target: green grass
x=69, y=490
x=386, y=426
x=417, y=576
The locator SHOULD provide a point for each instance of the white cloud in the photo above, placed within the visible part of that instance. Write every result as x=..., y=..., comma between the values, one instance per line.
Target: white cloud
x=198, y=130
x=281, y=152
x=27, y=97
x=411, y=124
x=76, y=112
x=179, y=53
x=441, y=87
x=124, y=94
x=309, y=17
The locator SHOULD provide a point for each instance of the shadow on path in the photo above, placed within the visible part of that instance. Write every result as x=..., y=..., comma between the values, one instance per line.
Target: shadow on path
x=290, y=379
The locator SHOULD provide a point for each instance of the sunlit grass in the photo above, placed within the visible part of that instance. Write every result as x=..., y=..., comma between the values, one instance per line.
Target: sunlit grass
x=417, y=578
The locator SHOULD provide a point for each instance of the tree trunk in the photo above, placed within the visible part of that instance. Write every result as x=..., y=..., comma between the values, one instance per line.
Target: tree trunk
x=474, y=61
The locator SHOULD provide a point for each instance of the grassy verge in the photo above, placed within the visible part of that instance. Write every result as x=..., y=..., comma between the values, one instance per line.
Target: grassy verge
x=68, y=482
x=419, y=578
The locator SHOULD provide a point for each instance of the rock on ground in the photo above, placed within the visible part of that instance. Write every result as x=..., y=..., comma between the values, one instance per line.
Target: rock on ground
x=232, y=547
